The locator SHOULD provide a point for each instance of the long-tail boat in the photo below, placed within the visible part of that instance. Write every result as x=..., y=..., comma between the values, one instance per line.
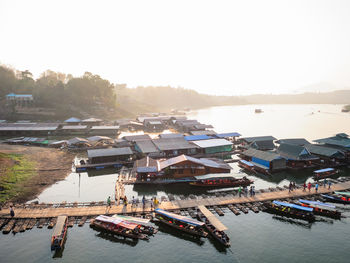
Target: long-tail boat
x=213, y=225
x=141, y=224
x=118, y=227
x=59, y=233
x=336, y=198
x=290, y=210
x=324, y=173
x=222, y=182
x=321, y=209
x=182, y=223
x=343, y=193
x=247, y=166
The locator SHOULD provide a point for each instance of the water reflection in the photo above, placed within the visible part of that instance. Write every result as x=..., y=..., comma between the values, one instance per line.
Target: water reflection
x=290, y=221
x=115, y=238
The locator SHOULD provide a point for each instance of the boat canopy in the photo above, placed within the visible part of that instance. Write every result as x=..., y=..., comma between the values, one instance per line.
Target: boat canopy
x=324, y=170
x=61, y=220
x=116, y=221
x=179, y=217
x=132, y=219
x=316, y=203
x=343, y=193
x=308, y=209
x=247, y=163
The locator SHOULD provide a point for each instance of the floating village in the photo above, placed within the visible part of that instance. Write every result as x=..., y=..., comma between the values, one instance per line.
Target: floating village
x=160, y=149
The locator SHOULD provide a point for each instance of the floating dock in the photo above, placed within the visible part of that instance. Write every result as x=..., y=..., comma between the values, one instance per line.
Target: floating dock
x=212, y=219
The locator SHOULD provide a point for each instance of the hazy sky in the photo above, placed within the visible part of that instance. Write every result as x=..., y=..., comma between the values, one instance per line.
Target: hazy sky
x=217, y=47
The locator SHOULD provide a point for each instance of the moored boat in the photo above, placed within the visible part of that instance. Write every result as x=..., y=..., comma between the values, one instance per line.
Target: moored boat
x=213, y=225
x=182, y=223
x=247, y=166
x=321, y=209
x=290, y=210
x=118, y=227
x=59, y=233
x=342, y=193
x=336, y=198
x=222, y=182
x=324, y=173
x=141, y=224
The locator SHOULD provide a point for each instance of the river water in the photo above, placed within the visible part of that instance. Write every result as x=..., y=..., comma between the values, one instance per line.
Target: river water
x=254, y=237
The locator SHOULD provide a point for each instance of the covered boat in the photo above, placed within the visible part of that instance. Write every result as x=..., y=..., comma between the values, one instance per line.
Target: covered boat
x=336, y=198
x=290, y=210
x=118, y=227
x=59, y=233
x=182, y=223
x=247, y=166
x=213, y=225
x=324, y=173
x=227, y=181
x=142, y=224
x=321, y=209
x=343, y=193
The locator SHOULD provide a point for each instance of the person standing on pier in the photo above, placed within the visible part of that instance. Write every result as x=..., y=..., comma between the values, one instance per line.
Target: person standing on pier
x=324, y=182
x=304, y=187
x=290, y=187
x=239, y=191
x=329, y=184
x=309, y=186
x=109, y=201
x=316, y=187
x=12, y=212
x=143, y=202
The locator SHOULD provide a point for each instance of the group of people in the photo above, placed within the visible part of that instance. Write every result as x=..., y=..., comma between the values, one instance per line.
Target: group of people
x=134, y=201
x=244, y=191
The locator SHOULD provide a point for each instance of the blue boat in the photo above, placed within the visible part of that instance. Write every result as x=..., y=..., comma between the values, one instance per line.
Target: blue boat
x=337, y=199
x=321, y=209
x=324, y=173
x=290, y=210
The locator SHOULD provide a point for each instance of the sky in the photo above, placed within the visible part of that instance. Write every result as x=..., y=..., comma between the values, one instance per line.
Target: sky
x=214, y=47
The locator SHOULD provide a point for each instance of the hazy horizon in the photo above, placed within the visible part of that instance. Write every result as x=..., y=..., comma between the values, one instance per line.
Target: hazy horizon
x=218, y=48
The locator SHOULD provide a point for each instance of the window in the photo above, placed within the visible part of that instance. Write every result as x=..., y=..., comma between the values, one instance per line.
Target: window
x=180, y=171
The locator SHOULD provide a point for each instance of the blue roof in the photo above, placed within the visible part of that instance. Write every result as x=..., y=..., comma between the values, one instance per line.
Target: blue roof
x=197, y=137
x=228, y=134
x=324, y=170
x=179, y=217
x=308, y=209
x=247, y=163
x=73, y=119
x=19, y=95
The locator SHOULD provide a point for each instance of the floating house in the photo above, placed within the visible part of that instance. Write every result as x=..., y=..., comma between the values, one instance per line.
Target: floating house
x=174, y=146
x=147, y=147
x=27, y=129
x=197, y=137
x=72, y=121
x=91, y=122
x=186, y=166
x=73, y=129
x=110, y=155
x=146, y=168
x=263, y=143
x=78, y=143
x=153, y=125
x=297, y=157
x=104, y=130
x=170, y=135
x=206, y=132
x=340, y=141
x=214, y=146
x=266, y=160
x=329, y=157
x=135, y=138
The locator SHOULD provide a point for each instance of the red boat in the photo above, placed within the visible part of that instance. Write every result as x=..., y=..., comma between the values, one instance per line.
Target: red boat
x=222, y=182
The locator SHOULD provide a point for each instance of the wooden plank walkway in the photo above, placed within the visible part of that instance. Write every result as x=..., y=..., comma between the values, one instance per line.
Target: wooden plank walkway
x=53, y=211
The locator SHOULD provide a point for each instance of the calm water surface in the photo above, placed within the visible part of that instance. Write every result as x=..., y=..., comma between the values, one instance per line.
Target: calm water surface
x=254, y=237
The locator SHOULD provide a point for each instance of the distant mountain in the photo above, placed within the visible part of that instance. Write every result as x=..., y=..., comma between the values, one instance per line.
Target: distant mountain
x=317, y=88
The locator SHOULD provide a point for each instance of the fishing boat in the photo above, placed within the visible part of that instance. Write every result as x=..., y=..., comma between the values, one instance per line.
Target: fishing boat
x=182, y=223
x=141, y=224
x=321, y=209
x=343, y=193
x=59, y=233
x=324, y=173
x=222, y=182
x=290, y=210
x=213, y=225
x=247, y=166
x=336, y=198
x=118, y=227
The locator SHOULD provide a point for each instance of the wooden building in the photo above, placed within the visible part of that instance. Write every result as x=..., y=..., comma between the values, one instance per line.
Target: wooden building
x=170, y=147
x=298, y=157
x=104, y=130
x=147, y=148
x=340, y=141
x=329, y=157
x=153, y=125
x=269, y=161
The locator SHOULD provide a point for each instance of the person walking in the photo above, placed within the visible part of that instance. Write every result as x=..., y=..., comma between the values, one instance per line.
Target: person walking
x=251, y=191
x=324, y=182
x=125, y=201
x=152, y=202
x=12, y=212
x=304, y=187
x=309, y=186
x=329, y=184
x=143, y=202
x=290, y=187
x=239, y=191
x=316, y=187
x=133, y=202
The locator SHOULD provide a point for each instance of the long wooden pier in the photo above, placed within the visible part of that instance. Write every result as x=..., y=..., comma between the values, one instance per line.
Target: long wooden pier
x=54, y=210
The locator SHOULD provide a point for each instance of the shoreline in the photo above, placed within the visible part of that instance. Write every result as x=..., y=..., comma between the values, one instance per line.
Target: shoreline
x=47, y=166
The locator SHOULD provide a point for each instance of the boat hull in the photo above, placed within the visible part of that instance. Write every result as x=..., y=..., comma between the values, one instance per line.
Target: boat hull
x=186, y=230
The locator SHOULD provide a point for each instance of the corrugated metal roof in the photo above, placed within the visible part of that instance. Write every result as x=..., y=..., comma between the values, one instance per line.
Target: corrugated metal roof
x=135, y=138
x=105, y=127
x=197, y=137
x=203, y=126
x=211, y=143
x=77, y=140
x=227, y=135
x=170, y=135
x=295, y=152
x=98, y=138
x=263, y=155
x=155, y=122
x=208, y=132
x=325, y=151
x=172, y=144
x=263, y=145
x=74, y=127
x=333, y=141
x=109, y=152
x=259, y=138
x=73, y=119
x=296, y=141
x=92, y=120
x=147, y=146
